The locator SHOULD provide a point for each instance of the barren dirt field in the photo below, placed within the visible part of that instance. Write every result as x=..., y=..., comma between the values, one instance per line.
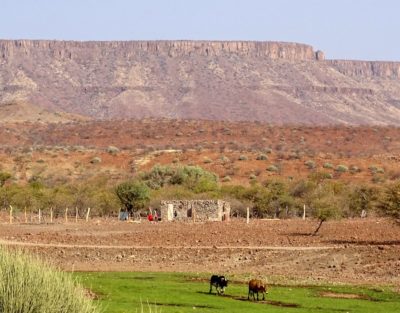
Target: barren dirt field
x=361, y=251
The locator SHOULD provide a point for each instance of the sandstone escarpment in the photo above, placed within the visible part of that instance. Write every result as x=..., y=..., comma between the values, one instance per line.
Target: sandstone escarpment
x=280, y=83
x=70, y=49
x=367, y=68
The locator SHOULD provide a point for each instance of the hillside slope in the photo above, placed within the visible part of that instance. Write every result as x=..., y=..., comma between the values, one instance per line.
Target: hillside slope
x=280, y=83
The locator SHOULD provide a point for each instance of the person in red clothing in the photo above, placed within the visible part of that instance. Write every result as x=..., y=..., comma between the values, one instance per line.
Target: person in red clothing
x=150, y=216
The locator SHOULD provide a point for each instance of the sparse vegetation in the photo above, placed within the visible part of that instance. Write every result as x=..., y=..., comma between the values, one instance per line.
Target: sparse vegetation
x=262, y=157
x=310, y=164
x=27, y=286
x=342, y=168
x=272, y=168
x=112, y=150
x=242, y=158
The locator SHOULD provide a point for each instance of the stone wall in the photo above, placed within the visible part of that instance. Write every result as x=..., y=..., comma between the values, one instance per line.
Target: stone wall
x=195, y=210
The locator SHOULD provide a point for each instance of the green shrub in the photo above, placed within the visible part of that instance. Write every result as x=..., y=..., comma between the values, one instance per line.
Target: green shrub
x=133, y=195
x=4, y=176
x=319, y=176
x=328, y=165
x=389, y=204
x=268, y=150
x=27, y=286
x=242, y=158
x=252, y=176
x=342, y=168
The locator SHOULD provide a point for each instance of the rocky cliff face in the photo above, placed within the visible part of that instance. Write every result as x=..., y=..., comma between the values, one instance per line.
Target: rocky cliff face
x=367, y=69
x=77, y=49
x=224, y=80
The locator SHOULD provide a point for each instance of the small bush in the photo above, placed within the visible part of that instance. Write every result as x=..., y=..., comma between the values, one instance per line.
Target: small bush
x=252, y=176
x=242, y=158
x=224, y=159
x=207, y=160
x=95, y=160
x=226, y=179
x=262, y=157
x=28, y=286
x=112, y=150
x=328, y=165
x=310, y=164
x=268, y=150
x=373, y=169
x=342, y=168
x=272, y=168
x=354, y=169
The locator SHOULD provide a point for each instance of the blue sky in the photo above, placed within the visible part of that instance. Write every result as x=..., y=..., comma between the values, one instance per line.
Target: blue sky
x=344, y=29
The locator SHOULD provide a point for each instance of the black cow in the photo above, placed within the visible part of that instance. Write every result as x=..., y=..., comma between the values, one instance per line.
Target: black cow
x=219, y=282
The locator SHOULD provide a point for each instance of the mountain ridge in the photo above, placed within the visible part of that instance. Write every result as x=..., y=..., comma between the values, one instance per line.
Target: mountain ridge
x=275, y=82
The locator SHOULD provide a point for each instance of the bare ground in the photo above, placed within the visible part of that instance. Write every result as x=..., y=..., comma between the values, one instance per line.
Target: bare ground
x=362, y=251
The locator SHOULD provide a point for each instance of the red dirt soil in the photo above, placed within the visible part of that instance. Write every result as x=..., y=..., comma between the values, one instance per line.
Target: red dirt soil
x=362, y=251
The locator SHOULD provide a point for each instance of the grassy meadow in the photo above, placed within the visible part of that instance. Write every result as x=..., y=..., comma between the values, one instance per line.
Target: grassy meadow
x=175, y=292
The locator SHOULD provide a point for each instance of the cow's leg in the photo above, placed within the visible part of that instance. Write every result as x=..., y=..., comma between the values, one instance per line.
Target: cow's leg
x=264, y=295
x=210, y=287
x=257, y=295
x=248, y=295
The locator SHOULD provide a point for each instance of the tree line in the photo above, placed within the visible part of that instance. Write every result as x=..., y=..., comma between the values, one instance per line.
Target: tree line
x=281, y=198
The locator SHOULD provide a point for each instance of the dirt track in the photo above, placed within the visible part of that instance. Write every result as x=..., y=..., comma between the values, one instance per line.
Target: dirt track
x=356, y=251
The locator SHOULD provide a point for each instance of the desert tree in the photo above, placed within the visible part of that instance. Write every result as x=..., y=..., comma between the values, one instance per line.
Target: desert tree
x=133, y=195
x=389, y=203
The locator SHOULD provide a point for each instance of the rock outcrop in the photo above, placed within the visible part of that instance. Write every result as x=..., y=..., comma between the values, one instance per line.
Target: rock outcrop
x=281, y=83
x=71, y=49
x=367, y=69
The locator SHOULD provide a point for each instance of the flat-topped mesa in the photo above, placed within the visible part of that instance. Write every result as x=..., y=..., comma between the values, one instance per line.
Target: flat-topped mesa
x=382, y=69
x=67, y=49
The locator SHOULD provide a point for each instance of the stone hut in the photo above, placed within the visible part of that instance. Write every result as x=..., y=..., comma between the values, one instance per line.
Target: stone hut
x=195, y=210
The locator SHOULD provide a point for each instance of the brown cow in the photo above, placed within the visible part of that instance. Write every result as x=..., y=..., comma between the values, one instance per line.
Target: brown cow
x=256, y=286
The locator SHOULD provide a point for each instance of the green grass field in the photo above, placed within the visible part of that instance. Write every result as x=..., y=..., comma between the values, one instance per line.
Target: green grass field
x=125, y=292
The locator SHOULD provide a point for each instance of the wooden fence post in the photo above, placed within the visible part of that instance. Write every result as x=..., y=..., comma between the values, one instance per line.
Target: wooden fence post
x=26, y=219
x=11, y=216
x=40, y=216
x=304, y=212
x=66, y=215
x=87, y=215
x=51, y=215
x=76, y=215
x=119, y=212
x=247, y=216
